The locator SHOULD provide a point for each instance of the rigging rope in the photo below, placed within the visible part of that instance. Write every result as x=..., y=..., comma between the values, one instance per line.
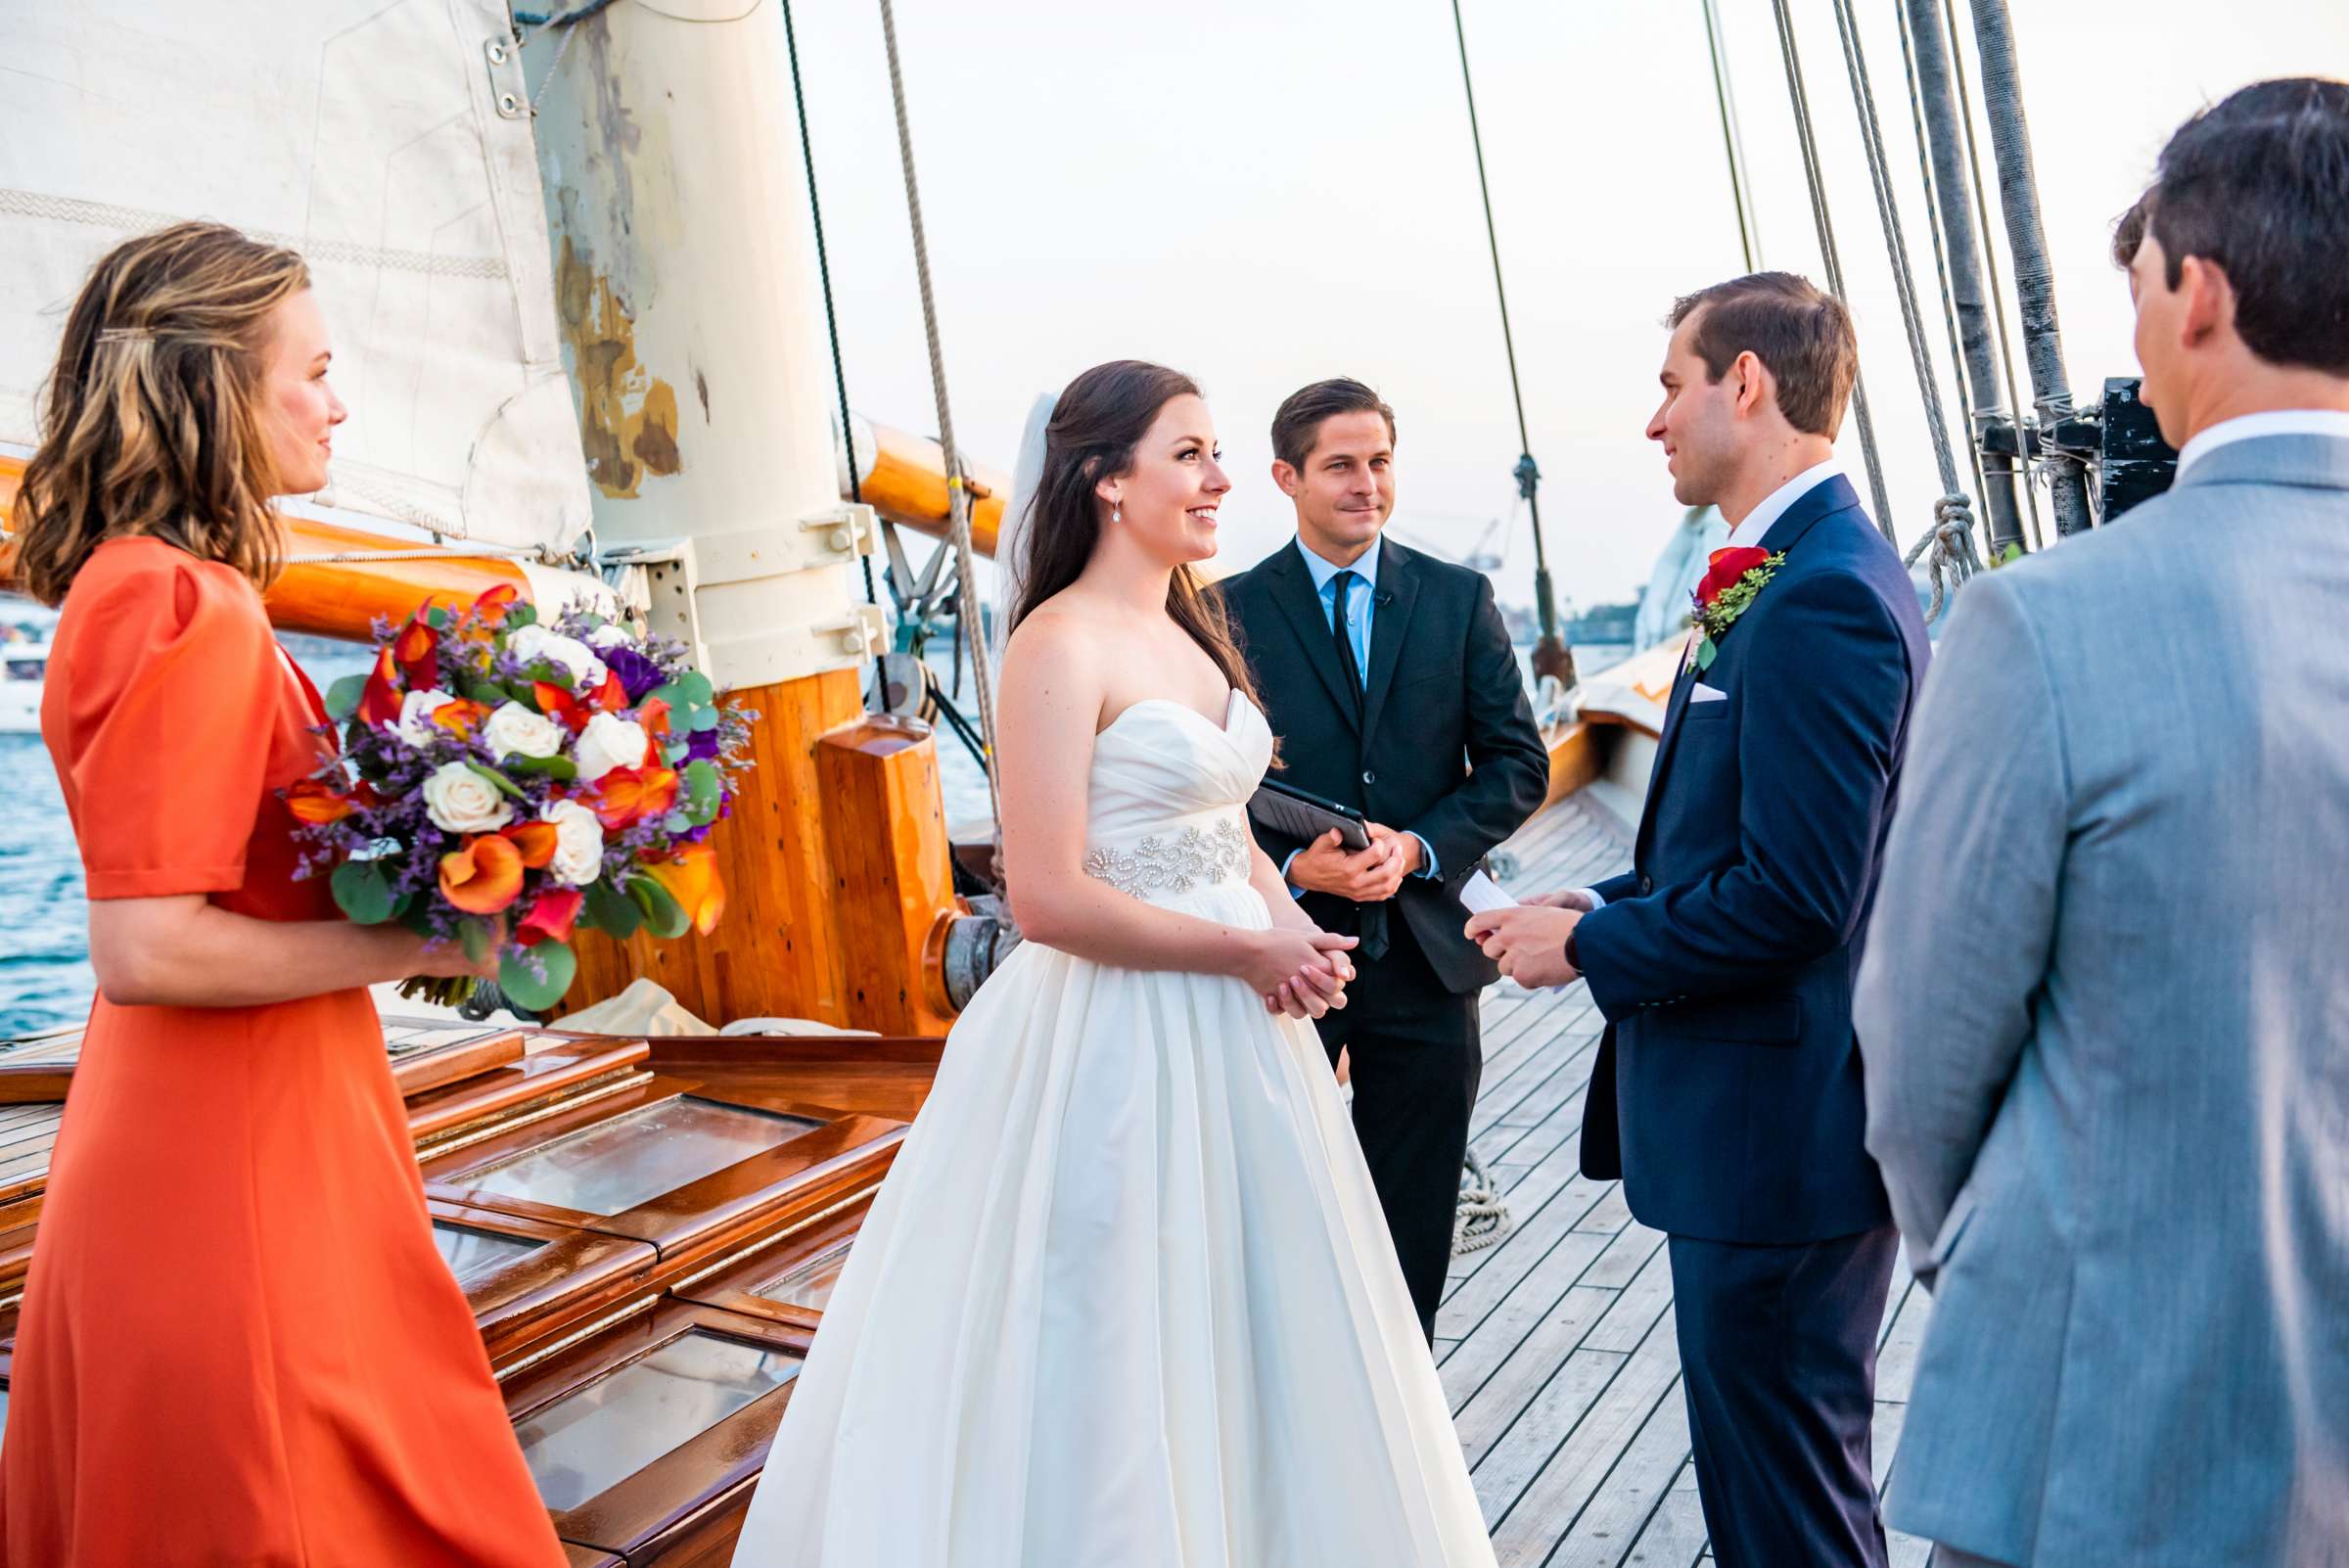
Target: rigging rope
x=1748, y=224
x=1940, y=259
x=1549, y=657
x=958, y=494
x=472, y=552
x=1998, y=295
x=1826, y=224
x=1951, y=537
x=840, y=372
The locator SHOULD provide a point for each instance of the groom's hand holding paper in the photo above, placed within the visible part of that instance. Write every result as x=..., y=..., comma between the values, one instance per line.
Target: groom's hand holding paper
x=1527, y=940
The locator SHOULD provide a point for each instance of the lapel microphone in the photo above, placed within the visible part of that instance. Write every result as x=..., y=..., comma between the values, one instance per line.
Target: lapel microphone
x=1383, y=597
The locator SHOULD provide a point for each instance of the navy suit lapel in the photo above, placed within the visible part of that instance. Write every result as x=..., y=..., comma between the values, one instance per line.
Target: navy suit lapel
x=1293, y=590
x=1823, y=500
x=1682, y=684
x=1398, y=594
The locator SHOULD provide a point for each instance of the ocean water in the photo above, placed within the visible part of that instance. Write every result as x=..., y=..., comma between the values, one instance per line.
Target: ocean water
x=45, y=978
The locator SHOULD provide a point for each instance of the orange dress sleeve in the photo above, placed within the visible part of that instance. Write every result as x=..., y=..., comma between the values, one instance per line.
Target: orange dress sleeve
x=163, y=724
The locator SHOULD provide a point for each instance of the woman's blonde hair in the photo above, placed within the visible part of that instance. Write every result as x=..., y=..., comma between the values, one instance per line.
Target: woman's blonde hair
x=153, y=422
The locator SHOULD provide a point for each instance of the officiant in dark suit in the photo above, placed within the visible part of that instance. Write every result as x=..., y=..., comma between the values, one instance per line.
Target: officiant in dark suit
x=1388, y=677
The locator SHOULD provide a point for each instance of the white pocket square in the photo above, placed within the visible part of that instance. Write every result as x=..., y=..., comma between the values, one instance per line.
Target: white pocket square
x=1702, y=693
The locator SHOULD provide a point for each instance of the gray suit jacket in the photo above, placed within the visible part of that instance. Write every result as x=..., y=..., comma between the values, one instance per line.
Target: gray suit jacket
x=2104, y=1015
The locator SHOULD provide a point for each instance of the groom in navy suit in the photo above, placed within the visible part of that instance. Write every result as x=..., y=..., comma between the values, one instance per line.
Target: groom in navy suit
x=1727, y=1091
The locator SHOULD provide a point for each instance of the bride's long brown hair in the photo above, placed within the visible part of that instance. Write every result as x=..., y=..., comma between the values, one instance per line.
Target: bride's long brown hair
x=153, y=420
x=1096, y=423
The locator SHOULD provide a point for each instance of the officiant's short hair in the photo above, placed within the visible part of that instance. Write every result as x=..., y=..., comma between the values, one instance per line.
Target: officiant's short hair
x=1797, y=329
x=1297, y=423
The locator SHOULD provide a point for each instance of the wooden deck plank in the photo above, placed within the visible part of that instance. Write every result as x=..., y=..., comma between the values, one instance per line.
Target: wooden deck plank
x=1616, y=1517
x=1643, y=1302
x=1577, y=1465
x=1497, y=1404
x=1675, y=1537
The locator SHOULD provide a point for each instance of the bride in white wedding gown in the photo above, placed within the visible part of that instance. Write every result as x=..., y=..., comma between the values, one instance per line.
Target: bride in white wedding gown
x=1126, y=1299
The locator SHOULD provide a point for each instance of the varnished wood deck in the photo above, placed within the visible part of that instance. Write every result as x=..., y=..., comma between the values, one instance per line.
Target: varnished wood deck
x=1556, y=1345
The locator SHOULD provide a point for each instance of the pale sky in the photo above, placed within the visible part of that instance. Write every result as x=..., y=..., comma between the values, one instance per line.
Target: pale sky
x=1265, y=193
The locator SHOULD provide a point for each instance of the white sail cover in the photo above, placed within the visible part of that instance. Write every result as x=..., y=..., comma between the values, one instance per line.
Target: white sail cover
x=369, y=135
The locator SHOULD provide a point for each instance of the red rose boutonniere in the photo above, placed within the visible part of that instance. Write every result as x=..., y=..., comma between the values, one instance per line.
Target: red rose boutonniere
x=1733, y=578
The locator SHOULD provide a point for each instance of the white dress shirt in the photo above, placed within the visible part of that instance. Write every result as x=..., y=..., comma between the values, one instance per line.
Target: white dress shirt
x=1360, y=608
x=2274, y=422
x=1778, y=502
x=1756, y=524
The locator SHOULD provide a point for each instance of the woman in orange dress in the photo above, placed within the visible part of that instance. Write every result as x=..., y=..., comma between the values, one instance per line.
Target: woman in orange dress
x=238, y=1342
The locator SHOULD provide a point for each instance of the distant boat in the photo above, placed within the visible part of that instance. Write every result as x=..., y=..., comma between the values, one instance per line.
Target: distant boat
x=24, y=666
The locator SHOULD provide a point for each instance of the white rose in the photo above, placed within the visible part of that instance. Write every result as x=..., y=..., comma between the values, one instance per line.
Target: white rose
x=579, y=844
x=608, y=742
x=534, y=643
x=611, y=634
x=415, y=727
x=461, y=801
x=514, y=730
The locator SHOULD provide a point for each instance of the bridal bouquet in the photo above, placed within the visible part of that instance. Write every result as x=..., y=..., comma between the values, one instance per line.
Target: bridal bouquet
x=500, y=774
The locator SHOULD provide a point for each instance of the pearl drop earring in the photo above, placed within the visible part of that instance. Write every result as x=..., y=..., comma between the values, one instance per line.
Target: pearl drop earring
x=1117, y=513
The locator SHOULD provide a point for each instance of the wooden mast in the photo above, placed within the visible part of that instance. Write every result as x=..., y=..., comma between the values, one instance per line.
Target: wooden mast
x=677, y=210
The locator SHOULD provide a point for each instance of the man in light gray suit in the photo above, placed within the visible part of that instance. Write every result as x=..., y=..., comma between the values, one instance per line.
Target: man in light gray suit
x=2104, y=1011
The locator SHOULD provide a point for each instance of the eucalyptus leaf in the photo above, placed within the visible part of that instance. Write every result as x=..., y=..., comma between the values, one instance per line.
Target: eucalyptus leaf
x=677, y=822
x=705, y=718
x=519, y=978
x=362, y=892
x=438, y=618
x=664, y=916
x=505, y=785
x=488, y=693
x=701, y=790
x=675, y=752
x=607, y=909
x=521, y=615
x=342, y=697
x=561, y=767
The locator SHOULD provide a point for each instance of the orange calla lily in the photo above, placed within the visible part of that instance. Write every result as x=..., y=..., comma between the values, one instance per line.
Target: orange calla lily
x=559, y=705
x=611, y=696
x=418, y=650
x=535, y=840
x=460, y=716
x=379, y=703
x=629, y=795
x=691, y=877
x=493, y=605
x=483, y=877
x=551, y=916
x=315, y=801
x=652, y=720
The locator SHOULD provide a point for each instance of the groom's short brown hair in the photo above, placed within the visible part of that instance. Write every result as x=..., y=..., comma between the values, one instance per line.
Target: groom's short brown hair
x=1797, y=329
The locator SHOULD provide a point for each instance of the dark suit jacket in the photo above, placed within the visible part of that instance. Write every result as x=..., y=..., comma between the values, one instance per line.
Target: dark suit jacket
x=1727, y=1092
x=1444, y=696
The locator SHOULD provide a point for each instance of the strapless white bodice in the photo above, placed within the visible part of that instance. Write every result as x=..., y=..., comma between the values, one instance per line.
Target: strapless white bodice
x=1166, y=800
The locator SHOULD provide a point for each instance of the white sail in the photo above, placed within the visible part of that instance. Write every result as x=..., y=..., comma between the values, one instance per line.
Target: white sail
x=386, y=140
